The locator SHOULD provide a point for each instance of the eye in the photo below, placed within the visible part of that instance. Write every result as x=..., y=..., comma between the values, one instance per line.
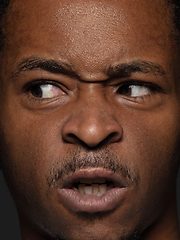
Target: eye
x=135, y=90
x=45, y=90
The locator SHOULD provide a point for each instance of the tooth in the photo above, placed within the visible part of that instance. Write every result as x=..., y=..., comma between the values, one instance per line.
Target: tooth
x=95, y=189
x=81, y=188
x=103, y=188
x=88, y=190
x=75, y=189
x=110, y=187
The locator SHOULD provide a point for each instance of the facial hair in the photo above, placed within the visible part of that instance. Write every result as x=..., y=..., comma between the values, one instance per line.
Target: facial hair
x=82, y=159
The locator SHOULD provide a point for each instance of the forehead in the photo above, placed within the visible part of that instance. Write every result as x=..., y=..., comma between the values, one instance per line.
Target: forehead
x=90, y=32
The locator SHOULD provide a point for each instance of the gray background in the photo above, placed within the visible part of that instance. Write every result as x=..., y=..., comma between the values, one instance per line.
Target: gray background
x=9, y=227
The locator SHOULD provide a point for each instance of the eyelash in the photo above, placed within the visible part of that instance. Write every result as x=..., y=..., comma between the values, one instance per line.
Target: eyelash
x=151, y=86
x=28, y=87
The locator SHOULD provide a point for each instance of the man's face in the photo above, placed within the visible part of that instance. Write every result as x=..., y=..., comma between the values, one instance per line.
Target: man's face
x=89, y=94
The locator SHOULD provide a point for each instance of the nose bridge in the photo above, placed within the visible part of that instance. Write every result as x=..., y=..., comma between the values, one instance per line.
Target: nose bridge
x=92, y=120
x=92, y=105
x=94, y=114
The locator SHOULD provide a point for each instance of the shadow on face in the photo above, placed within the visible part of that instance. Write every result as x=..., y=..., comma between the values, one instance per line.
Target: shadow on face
x=89, y=125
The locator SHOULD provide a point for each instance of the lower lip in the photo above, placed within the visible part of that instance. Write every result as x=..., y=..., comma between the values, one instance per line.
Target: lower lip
x=91, y=203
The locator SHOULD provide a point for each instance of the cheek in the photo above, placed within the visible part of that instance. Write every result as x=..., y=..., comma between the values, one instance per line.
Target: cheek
x=30, y=145
x=33, y=143
x=27, y=149
x=151, y=144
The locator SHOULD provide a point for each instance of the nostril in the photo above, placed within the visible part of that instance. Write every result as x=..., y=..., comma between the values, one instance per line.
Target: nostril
x=92, y=132
x=71, y=138
x=93, y=141
x=113, y=137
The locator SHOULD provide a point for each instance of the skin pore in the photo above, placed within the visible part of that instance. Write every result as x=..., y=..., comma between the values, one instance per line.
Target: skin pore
x=91, y=86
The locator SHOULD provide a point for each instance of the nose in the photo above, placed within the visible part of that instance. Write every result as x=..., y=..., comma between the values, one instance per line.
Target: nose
x=92, y=126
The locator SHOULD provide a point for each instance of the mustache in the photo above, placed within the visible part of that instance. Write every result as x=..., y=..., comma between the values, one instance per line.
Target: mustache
x=80, y=159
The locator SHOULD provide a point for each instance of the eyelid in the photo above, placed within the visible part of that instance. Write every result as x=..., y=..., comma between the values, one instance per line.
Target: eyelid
x=45, y=82
x=39, y=103
x=154, y=97
x=140, y=83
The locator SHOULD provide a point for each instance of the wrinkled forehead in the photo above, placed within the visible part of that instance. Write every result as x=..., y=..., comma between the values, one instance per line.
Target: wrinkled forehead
x=92, y=31
x=93, y=14
x=83, y=17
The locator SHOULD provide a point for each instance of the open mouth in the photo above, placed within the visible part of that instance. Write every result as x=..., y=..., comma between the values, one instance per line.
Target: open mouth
x=96, y=187
x=94, y=190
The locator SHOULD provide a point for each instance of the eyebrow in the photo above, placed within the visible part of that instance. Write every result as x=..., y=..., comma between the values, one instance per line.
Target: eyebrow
x=113, y=71
x=139, y=66
x=36, y=62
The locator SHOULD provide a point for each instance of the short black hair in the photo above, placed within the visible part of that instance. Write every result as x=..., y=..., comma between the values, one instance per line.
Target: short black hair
x=175, y=11
x=3, y=7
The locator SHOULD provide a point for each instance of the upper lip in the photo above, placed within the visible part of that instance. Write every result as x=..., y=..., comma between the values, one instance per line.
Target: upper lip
x=76, y=202
x=94, y=173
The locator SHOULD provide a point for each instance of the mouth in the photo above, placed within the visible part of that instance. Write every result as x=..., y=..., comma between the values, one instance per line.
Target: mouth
x=96, y=187
x=92, y=190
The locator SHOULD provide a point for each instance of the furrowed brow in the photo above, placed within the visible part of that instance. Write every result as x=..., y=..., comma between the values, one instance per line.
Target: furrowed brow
x=35, y=63
x=140, y=66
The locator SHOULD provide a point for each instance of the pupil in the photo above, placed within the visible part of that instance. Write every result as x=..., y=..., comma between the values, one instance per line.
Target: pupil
x=125, y=90
x=128, y=90
x=36, y=91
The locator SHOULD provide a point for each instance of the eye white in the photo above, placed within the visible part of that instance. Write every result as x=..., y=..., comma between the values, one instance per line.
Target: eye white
x=139, y=91
x=49, y=91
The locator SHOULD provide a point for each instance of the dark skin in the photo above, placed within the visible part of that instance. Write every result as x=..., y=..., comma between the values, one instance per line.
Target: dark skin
x=113, y=72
